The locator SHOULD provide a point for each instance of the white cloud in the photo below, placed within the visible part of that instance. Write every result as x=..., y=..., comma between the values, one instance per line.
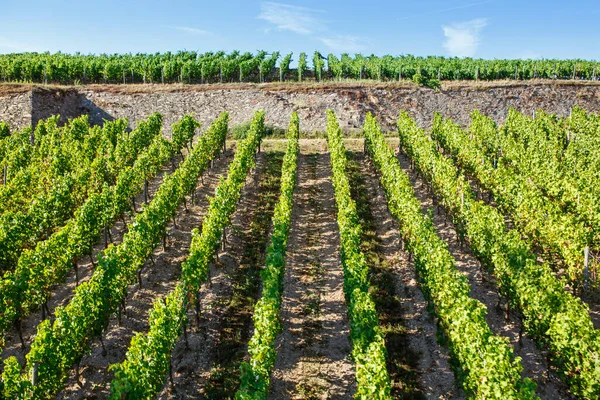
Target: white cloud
x=188, y=29
x=344, y=43
x=308, y=22
x=462, y=39
x=442, y=10
x=286, y=17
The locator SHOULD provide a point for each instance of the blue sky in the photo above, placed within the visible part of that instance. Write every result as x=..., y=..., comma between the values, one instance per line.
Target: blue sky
x=486, y=29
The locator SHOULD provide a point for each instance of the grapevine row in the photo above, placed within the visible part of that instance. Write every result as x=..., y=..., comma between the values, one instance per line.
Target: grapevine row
x=67, y=185
x=28, y=166
x=40, y=269
x=577, y=191
x=142, y=373
x=16, y=148
x=534, y=214
x=368, y=341
x=478, y=352
x=59, y=345
x=559, y=156
x=70, y=185
x=256, y=373
x=194, y=67
x=557, y=320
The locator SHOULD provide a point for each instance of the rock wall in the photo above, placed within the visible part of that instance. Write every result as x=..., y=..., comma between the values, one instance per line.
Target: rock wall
x=350, y=103
x=15, y=108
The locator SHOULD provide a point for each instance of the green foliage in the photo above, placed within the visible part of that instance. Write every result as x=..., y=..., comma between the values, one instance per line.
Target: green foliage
x=39, y=269
x=255, y=378
x=368, y=342
x=318, y=64
x=148, y=358
x=507, y=168
x=557, y=320
x=239, y=132
x=58, y=345
x=193, y=67
x=422, y=80
x=221, y=206
x=302, y=65
x=477, y=351
x=267, y=65
x=183, y=132
x=252, y=65
x=142, y=374
x=65, y=166
x=334, y=66
x=4, y=130
x=284, y=66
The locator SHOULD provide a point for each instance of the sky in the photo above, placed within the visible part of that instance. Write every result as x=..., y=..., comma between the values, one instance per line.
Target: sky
x=464, y=28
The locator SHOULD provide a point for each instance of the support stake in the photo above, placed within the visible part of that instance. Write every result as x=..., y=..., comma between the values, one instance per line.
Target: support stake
x=76, y=266
x=139, y=277
x=586, y=271
x=104, y=352
x=185, y=337
x=92, y=259
x=197, y=307
x=34, y=374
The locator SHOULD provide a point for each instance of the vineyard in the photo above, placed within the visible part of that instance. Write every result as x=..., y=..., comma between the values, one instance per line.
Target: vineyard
x=262, y=66
x=450, y=262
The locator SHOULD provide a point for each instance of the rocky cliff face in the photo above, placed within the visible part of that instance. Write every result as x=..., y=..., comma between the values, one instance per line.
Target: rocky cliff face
x=351, y=103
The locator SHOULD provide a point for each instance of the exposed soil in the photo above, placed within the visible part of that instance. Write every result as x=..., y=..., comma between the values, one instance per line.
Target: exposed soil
x=192, y=364
x=62, y=293
x=131, y=88
x=236, y=328
x=483, y=288
x=418, y=366
x=158, y=279
x=313, y=360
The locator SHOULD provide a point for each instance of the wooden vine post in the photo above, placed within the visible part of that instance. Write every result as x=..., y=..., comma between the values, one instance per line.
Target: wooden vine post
x=145, y=191
x=34, y=374
x=586, y=270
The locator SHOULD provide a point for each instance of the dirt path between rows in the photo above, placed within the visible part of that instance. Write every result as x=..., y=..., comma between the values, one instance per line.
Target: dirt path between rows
x=236, y=323
x=418, y=366
x=313, y=360
x=62, y=293
x=157, y=281
x=483, y=288
x=192, y=365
